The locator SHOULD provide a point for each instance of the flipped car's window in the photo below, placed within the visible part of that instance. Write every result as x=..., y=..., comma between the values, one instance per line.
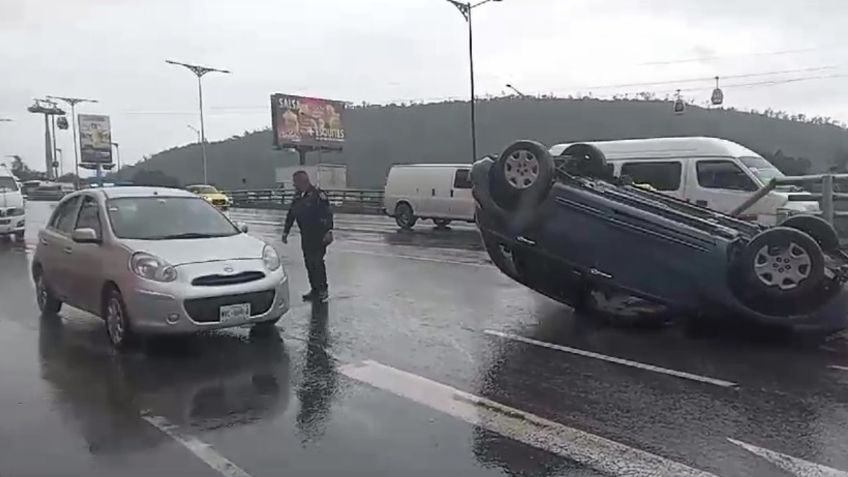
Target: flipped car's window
x=462, y=180
x=664, y=176
x=723, y=175
x=8, y=183
x=89, y=216
x=163, y=218
x=65, y=215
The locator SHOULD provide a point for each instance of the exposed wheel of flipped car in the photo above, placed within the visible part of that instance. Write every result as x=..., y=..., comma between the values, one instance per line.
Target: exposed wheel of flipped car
x=586, y=160
x=522, y=175
x=404, y=216
x=817, y=228
x=780, y=264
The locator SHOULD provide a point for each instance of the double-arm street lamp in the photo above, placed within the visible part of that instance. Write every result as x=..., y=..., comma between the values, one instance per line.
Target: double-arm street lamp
x=465, y=8
x=200, y=71
x=72, y=102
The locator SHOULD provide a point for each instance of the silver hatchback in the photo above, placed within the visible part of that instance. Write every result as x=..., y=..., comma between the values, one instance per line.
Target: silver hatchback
x=156, y=260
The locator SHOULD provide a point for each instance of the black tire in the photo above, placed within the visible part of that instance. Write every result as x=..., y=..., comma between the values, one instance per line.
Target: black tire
x=586, y=160
x=816, y=227
x=47, y=302
x=441, y=222
x=522, y=176
x=404, y=216
x=118, y=323
x=780, y=265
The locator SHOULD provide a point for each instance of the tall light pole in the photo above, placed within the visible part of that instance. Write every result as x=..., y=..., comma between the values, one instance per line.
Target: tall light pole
x=60, y=157
x=73, y=102
x=199, y=71
x=117, y=157
x=465, y=9
x=196, y=131
x=519, y=93
x=49, y=109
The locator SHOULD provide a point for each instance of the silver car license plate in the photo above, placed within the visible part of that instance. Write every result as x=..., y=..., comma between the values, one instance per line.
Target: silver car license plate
x=237, y=312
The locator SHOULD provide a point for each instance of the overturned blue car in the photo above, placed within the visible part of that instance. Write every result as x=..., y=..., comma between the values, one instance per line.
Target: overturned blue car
x=567, y=228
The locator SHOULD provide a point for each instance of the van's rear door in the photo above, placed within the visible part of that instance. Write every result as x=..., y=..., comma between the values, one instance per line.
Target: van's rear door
x=462, y=205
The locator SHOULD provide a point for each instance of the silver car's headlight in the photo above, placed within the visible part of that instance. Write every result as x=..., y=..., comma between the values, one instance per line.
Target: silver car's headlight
x=270, y=258
x=152, y=267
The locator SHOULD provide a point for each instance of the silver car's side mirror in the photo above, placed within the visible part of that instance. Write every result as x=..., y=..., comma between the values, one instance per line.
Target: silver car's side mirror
x=243, y=228
x=85, y=235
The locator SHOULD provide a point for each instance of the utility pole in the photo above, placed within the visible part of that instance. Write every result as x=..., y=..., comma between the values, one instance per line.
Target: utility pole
x=72, y=102
x=465, y=9
x=200, y=71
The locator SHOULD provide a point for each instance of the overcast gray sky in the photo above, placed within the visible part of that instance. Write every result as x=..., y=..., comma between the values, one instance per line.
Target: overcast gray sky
x=392, y=50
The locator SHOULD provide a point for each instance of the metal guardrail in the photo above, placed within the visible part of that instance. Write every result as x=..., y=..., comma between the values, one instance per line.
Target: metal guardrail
x=355, y=201
x=826, y=198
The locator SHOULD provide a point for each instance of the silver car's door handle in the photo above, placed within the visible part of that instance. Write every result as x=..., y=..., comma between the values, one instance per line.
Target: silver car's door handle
x=69, y=250
x=525, y=240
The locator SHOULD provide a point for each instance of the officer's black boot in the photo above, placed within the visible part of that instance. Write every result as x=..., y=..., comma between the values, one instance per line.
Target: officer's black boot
x=310, y=296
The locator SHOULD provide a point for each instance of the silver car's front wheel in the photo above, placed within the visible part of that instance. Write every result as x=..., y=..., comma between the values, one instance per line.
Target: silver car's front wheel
x=48, y=304
x=117, y=321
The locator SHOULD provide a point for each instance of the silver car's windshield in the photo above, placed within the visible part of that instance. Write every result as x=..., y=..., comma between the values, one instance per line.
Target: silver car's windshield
x=167, y=218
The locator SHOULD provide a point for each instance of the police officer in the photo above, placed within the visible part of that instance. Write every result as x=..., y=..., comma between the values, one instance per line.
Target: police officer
x=311, y=210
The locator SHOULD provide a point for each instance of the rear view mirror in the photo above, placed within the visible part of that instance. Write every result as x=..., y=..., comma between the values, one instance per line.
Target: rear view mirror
x=243, y=227
x=85, y=235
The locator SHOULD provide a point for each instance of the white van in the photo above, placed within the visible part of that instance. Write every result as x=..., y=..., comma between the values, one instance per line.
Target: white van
x=706, y=171
x=12, y=207
x=441, y=192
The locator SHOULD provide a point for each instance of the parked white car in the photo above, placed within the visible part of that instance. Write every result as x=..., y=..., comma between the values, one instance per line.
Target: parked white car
x=441, y=192
x=12, y=207
x=156, y=260
x=709, y=172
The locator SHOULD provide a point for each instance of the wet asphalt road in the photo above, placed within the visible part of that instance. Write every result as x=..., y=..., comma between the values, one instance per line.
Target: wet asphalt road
x=426, y=361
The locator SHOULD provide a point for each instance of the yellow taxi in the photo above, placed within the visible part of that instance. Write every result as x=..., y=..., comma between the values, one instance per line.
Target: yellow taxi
x=212, y=195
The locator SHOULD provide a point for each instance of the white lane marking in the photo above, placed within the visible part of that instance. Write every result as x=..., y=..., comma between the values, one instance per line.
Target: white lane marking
x=793, y=465
x=838, y=368
x=612, y=359
x=593, y=451
x=411, y=257
x=202, y=450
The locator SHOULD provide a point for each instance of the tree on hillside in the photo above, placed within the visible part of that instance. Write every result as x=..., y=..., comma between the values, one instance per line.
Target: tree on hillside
x=22, y=171
x=155, y=179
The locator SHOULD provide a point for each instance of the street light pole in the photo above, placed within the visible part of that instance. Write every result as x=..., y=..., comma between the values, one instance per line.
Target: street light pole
x=72, y=102
x=199, y=71
x=465, y=9
x=196, y=131
x=519, y=93
x=117, y=157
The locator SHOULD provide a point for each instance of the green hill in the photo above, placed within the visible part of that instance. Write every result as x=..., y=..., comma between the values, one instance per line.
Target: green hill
x=379, y=136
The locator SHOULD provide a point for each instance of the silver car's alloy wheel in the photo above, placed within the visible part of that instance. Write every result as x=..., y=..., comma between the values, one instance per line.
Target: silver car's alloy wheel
x=782, y=267
x=115, y=324
x=521, y=169
x=41, y=292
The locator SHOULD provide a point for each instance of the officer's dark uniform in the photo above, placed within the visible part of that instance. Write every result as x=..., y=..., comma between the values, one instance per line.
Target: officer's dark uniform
x=311, y=210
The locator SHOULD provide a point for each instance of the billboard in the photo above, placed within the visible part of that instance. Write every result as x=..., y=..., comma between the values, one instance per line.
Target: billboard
x=307, y=123
x=95, y=139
